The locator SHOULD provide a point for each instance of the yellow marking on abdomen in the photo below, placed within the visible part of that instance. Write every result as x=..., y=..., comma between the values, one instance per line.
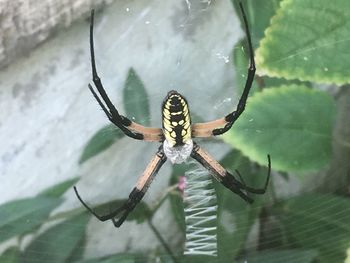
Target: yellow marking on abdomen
x=166, y=114
x=176, y=120
x=176, y=113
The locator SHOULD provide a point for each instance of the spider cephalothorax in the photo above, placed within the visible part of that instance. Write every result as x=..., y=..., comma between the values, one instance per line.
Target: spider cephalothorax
x=175, y=138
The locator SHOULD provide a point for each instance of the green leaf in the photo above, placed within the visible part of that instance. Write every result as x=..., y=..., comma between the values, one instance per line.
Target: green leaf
x=258, y=14
x=319, y=222
x=241, y=63
x=177, y=208
x=117, y=258
x=77, y=252
x=347, y=260
x=136, y=99
x=22, y=216
x=101, y=141
x=307, y=40
x=11, y=255
x=285, y=256
x=59, y=189
x=198, y=259
x=140, y=213
x=176, y=199
x=57, y=243
x=291, y=123
x=235, y=216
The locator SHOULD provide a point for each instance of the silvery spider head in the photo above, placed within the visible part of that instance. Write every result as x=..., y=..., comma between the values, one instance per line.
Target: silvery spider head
x=178, y=154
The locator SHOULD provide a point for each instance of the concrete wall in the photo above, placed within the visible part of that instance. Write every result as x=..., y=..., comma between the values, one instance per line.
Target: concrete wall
x=24, y=24
x=47, y=114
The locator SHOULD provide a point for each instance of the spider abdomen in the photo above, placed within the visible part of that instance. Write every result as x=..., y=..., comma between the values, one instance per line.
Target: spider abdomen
x=176, y=119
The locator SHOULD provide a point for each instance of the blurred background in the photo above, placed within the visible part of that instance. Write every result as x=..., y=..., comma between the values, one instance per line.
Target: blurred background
x=54, y=135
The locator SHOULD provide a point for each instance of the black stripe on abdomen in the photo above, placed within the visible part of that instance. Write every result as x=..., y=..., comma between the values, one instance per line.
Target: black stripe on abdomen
x=176, y=119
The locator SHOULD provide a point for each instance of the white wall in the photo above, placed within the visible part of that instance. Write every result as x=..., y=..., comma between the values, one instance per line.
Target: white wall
x=47, y=114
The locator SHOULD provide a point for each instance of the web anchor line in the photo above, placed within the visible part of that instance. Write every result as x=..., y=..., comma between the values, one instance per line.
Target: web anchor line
x=200, y=214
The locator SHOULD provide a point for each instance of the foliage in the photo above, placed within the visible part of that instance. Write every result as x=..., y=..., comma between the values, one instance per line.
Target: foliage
x=32, y=211
x=59, y=243
x=319, y=222
x=281, y=121
x=310, y=28
x=135, y=94
x=298, y=43
x=290, y=256
x=101, y=141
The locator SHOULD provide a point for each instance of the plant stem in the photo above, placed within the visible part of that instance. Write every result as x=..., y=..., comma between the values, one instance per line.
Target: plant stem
x=163, y=198
x=161, y=239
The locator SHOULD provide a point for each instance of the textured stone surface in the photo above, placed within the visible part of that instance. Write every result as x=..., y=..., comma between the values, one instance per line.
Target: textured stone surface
x=26, y=23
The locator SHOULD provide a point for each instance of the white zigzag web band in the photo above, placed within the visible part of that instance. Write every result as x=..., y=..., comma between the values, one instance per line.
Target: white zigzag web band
x=200, y=214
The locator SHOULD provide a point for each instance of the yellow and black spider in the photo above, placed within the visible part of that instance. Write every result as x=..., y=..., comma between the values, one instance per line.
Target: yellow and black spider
x=175, y=137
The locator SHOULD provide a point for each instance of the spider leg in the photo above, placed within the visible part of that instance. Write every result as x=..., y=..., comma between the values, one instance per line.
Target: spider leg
x=222, y=125
x=119, y=215
x=129, y=127
x=224, y=177
x=242, y=181
x=256, y=190
x=99, y=217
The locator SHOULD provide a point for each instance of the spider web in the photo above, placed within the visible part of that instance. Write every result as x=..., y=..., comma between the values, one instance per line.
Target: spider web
x=200, y=214
x=186, y=48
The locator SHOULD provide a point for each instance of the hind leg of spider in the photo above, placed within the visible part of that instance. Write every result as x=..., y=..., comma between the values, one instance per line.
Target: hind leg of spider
x=252, y=189
x=224, y=177
x=119, y=215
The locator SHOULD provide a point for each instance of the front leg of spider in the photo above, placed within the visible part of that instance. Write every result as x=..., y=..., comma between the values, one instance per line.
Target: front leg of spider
x=128, y=127
x=233, y=116
x=220, y=126
x=119, y=215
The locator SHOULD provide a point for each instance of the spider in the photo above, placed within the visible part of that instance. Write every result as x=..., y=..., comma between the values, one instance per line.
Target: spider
x=175, y=137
